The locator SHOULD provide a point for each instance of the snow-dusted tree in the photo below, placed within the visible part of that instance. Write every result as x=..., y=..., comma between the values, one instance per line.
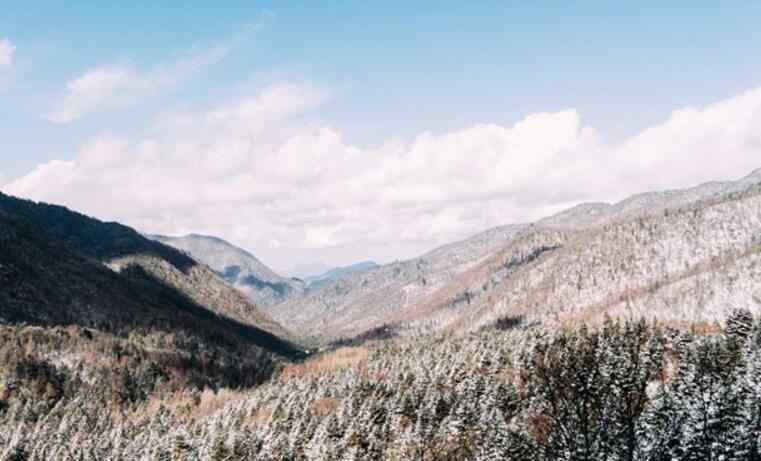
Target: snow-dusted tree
x=17, y=452
x=739, y=324
x=631, y=356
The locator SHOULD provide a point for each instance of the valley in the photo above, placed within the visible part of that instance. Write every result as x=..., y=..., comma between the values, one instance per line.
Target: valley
x=197, y=350
x=380, y=231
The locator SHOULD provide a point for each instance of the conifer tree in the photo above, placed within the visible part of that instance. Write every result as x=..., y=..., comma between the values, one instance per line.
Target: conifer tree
x=739, y=324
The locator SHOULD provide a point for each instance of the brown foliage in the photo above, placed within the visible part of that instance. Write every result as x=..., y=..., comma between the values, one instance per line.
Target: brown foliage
x=329, y=361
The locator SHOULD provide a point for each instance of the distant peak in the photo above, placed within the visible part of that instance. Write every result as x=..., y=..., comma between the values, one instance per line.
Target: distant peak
x=756, y=174
x=205, y=237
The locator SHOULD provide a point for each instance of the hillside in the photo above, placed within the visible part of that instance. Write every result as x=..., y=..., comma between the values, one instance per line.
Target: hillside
x=591, y=214
x=58, y=267
x=625, y=391
x=680, y=256
x=363, y=300
x=315, y=281
x=237, y=267
x=528, y=355
x=690, y=262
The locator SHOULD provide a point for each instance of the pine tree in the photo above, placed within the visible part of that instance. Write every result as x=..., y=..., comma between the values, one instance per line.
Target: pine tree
x=18, y=453
x=709, y=400
x=739, y=324
x=220, y=451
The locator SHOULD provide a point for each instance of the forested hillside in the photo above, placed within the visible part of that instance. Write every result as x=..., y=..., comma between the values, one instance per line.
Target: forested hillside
x=161, y=314
x=380, y=231
x=631, y=337
x=364, y=300
x=649, y=255
x=626, y=391
x=237, y=267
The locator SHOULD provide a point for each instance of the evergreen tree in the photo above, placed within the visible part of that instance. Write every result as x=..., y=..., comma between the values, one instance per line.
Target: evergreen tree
x=739, y=324
x=220, y=451
x=17, y=453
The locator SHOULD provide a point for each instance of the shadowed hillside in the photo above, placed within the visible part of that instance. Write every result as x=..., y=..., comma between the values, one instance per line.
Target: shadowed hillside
x=54, y=270
x=237, y=267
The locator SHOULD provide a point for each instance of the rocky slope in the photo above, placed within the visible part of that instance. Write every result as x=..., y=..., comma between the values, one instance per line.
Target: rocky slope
x=237, y=267
x=58, y=267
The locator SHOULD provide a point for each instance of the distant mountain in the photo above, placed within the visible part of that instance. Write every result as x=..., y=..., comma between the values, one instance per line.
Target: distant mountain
x=682, y=256
x=236, y=266
x=316, y=281
x=362, y=300
x=307, y=269
x=58, y=267
x=591, y=214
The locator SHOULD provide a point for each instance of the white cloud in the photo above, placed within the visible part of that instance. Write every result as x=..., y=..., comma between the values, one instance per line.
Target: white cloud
x=258, y=173
x=7, y=50
x=104, y=86
x=87, y=92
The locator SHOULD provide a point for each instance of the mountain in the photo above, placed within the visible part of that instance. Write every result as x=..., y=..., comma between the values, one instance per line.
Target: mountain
x=680, y=256
x=497, y=392
x=524, y=341
x=316, y=281
x=362, y=300
x=590, y=214
x=304, y=270
x=237, y=267
x=59, y=267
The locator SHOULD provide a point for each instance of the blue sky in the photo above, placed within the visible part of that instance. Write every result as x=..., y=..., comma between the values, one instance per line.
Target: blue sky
x=379, y=73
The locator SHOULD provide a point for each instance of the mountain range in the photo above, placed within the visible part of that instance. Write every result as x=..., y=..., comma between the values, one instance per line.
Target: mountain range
x=59, y=267
x=314, y=281
x=691, y=252
x=114, y=345
x=237, y=267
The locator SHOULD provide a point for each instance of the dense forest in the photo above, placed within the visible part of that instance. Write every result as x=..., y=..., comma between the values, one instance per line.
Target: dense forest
x=615, y=391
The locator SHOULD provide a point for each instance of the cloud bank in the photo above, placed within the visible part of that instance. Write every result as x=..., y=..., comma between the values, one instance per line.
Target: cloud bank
x=260, y=173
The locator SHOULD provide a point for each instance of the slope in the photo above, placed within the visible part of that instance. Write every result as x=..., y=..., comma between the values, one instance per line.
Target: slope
x=679, y=256
x=681, y=264
x=364, y=300
x=54, y=270
x=237, y=267
x=315, y=281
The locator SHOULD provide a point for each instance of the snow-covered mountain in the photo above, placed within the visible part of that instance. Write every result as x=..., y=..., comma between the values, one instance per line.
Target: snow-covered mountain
x=681, y=256
x=366, y=298
x=238, y=267
x=589, y=214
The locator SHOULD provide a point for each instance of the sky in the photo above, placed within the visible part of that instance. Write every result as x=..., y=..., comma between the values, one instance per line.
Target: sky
x=334, y=132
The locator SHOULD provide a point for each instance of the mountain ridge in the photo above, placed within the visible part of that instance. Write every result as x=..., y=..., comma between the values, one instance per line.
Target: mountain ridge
x=237, y=266
x=61, y=267
x=368, y=293
x=337, y=272
x=687, y=244
x=346, y=308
